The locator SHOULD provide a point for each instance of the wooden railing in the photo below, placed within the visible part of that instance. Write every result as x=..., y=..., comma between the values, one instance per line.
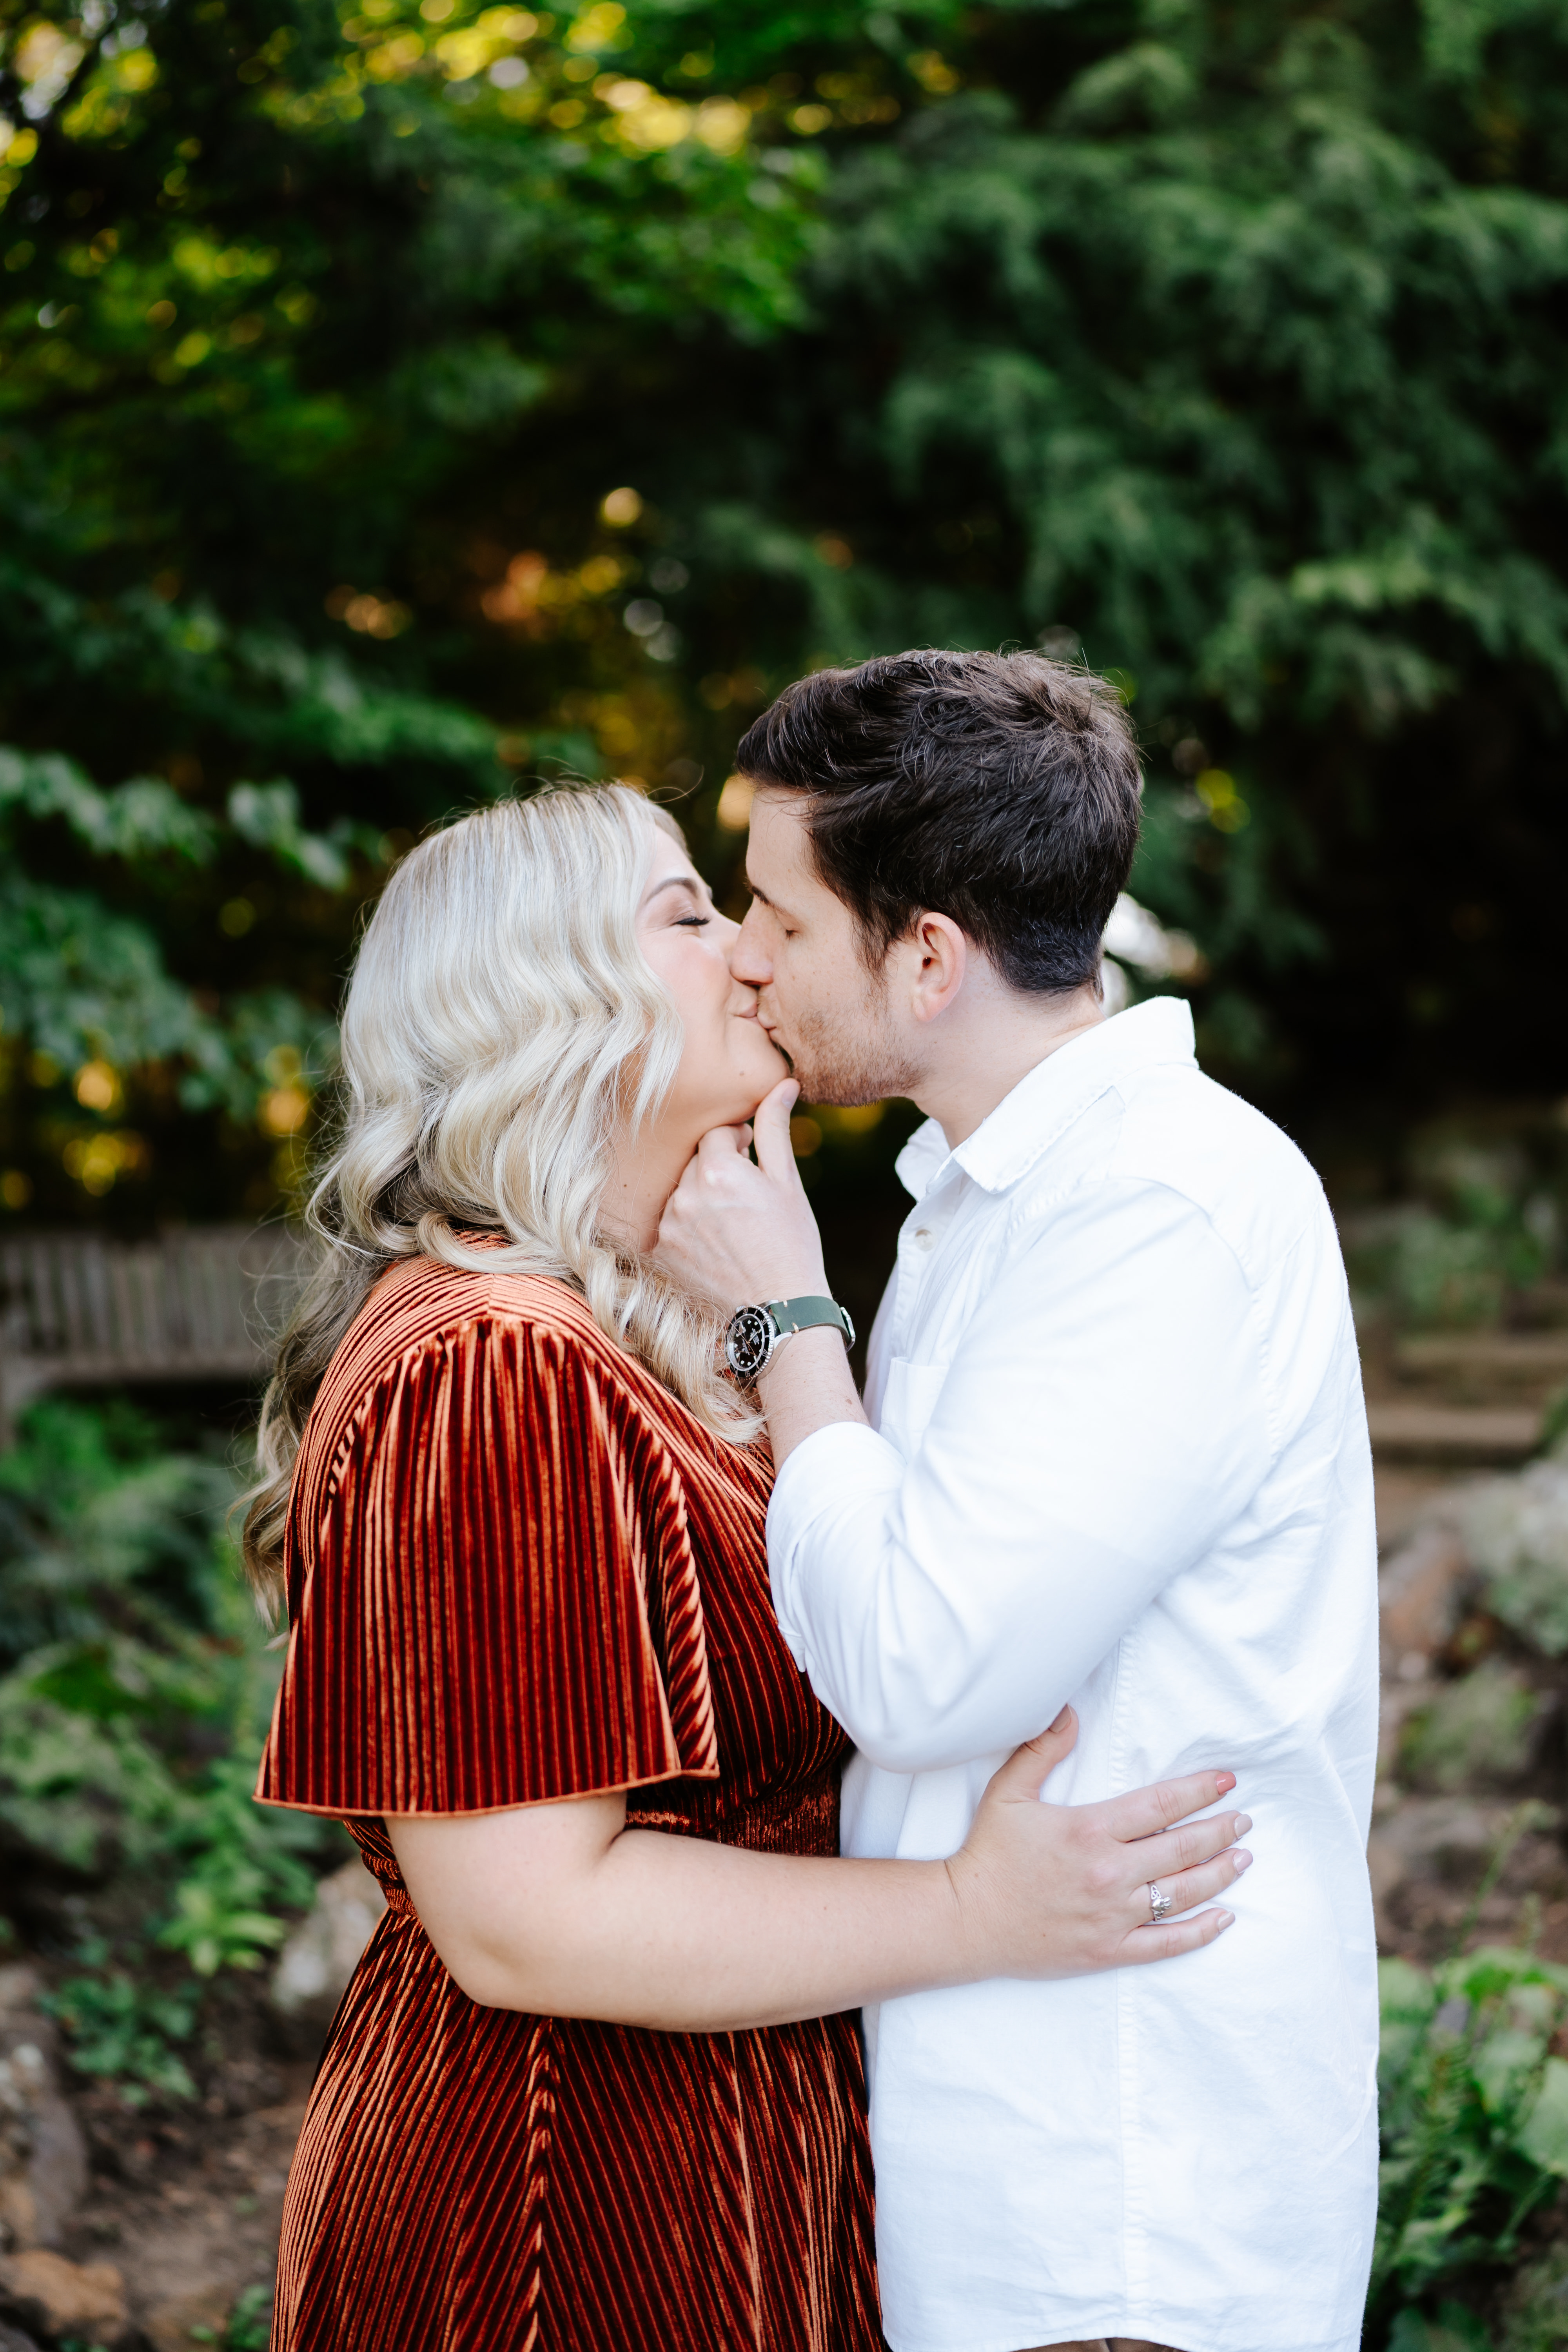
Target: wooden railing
x=195, y=1305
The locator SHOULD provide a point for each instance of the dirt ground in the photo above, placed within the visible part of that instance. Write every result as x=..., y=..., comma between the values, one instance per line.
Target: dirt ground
x=188, y=2210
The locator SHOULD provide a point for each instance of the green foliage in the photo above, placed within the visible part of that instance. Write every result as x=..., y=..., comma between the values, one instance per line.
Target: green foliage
x=1192, y=351
x=249, y=2325
x=277, y=291
x=1455, y=2329
x=1536, y=2315
x=132, y=1715
x=1485, y=1221
x=1222, y=343
x=123, y=2028
x=1474, y=2126
x=240, y=1865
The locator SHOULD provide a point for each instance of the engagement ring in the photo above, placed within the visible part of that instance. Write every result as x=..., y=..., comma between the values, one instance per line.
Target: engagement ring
x=1159, y=1903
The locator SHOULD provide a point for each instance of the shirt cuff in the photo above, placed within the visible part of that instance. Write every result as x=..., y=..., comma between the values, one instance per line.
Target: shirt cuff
x=847, y=1464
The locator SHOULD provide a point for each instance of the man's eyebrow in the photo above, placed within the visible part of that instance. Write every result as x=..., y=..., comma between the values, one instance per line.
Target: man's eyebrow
x=762, y=896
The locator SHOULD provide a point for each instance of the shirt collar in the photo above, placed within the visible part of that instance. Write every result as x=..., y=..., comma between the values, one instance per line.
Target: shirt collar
x=1026, y=1122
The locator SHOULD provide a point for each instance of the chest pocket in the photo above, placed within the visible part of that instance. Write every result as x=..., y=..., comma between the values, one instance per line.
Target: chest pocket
x=910, y=1400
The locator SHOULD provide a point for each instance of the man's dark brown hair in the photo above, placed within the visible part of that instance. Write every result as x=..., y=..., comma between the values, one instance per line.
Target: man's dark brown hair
x=1001, y=790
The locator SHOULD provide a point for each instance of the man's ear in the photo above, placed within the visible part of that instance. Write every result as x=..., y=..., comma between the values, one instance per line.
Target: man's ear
x=936, y=958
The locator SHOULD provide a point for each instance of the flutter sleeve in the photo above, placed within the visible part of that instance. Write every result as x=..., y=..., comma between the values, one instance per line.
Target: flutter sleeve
x=493, y=1595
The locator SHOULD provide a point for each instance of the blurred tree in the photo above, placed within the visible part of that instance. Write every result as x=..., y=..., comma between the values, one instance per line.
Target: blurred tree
x=301, y=338
x=1228, y=345
x=400, y=403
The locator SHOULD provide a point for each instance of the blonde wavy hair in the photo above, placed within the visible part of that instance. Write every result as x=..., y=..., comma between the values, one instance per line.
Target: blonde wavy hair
x=502, y=1027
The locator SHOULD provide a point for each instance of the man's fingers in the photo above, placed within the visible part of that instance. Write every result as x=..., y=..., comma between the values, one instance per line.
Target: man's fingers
x=1143, y=1812
x=721, y=1145
x=770, y=1121
x=1181, y=1849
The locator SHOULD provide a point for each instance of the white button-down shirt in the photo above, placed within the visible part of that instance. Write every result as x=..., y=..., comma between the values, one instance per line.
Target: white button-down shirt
x=1120, y=1456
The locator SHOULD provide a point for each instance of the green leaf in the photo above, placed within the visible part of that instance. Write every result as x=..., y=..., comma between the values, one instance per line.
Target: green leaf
x=1544, y=2136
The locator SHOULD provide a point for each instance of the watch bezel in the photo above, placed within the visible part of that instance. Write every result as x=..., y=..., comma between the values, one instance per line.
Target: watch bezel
x=749, y=1337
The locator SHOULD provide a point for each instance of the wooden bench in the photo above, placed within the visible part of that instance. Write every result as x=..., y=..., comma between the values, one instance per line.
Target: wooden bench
x=194, y=1305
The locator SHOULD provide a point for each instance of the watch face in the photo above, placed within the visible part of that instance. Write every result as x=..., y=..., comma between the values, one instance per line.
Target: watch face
x=748, y=1341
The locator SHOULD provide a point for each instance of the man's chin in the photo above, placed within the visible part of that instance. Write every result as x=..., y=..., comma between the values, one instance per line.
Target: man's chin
x=840, y=1089
x=840, y=1080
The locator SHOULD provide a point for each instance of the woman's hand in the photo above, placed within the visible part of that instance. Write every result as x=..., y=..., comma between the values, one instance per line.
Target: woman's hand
x=1060, y=1890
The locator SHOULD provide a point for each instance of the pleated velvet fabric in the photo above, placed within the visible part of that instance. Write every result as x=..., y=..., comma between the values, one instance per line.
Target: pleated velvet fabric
x=519, y=1569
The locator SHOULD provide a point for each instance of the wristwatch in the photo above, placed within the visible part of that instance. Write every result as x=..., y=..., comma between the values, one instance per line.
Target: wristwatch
x=754, y=1335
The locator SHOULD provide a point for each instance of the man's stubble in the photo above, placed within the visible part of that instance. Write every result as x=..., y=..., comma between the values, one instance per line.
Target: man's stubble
x=852, y=1056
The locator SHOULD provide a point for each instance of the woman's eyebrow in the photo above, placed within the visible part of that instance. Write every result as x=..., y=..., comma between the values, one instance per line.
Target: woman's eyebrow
x=674, y=882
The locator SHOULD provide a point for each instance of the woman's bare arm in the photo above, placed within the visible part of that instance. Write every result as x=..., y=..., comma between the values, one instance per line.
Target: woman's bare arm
x=561, y=1910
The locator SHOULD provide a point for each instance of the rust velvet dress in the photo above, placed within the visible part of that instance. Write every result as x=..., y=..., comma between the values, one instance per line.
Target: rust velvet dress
x=519, y=1569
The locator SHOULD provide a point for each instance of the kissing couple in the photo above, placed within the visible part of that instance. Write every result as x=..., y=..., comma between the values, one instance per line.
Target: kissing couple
x=777, y=1790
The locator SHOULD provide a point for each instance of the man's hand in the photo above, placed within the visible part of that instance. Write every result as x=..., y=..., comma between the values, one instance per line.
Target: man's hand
x=742, y=1233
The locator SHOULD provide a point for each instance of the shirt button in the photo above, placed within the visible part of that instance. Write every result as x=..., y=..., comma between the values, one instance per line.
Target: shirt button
x=924, y=1237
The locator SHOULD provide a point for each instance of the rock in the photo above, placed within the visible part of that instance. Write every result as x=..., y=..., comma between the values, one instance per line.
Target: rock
x=1517, y=1532
x=42, y=2158
x=171, y=2326
x=1419, y=1591
x=54, y=2298
x=1441, y=1836
x=321, y=1954
x=13, y=2340
x=1480, y=1731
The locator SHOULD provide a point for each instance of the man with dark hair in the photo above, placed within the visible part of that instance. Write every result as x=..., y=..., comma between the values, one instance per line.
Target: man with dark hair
x=1112, y=1450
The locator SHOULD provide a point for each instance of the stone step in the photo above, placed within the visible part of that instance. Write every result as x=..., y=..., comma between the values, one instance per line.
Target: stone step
x=1411, y=1431
x=1504, y=1356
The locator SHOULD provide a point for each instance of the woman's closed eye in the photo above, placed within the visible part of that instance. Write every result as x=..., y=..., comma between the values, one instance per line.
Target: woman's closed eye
x=692, y=923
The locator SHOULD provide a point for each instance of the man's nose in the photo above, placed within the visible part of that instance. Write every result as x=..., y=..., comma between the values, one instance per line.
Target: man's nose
x=747, y=961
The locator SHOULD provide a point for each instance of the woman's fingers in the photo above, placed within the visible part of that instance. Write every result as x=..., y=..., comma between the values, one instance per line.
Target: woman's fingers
x=1188, y=1888
x=1029, y=1767
x=1058, y=1890
x=1142, y=1812
x=1181, y=1849
x=1168, y=1943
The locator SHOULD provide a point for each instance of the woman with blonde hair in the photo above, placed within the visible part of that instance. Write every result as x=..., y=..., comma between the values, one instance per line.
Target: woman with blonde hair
x=595, y=2084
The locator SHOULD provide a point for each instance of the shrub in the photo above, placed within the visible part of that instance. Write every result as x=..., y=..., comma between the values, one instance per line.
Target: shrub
x=250, y=2322
x=139, y=1689
x=1475, y=2128
x=1535, y=2318
x=123, y=2028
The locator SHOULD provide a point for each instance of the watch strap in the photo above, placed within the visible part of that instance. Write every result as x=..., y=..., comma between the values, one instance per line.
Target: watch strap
x=791, y=1315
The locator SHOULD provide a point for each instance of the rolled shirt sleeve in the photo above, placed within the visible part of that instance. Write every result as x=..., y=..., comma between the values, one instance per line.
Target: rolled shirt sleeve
x=1105, y=1415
